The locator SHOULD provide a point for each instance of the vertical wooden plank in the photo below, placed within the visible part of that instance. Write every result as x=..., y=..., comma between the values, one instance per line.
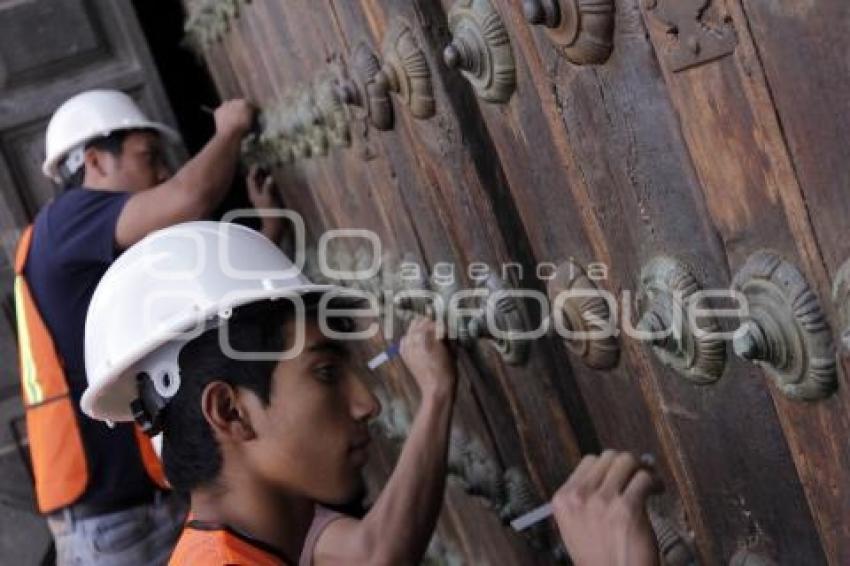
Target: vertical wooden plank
x=803, y=48
x=730, y=125
x=588, y=163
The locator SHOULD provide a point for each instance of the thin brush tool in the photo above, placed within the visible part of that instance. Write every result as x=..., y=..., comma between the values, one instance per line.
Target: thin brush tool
x=647, y=462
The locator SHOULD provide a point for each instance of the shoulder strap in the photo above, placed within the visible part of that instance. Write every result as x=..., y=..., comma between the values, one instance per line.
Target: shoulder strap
x=322, y=518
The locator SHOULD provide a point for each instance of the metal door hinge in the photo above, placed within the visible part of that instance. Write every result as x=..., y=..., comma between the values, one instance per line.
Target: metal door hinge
x=696, y=39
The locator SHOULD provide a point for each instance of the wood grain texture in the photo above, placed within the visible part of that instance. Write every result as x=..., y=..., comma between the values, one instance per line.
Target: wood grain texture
x=803, y=47
x=614, y=164
x=395, y=195
x=730, y=125
x=631, y=171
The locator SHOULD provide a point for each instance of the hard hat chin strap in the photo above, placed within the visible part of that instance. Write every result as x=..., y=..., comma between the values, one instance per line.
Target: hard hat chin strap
x=158, y=380
x=156, y=384
x=149, y=408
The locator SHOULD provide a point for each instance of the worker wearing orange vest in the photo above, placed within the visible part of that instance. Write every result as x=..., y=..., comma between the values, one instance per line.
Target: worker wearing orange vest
x=102, y=488
x=264, y=429
x=245, y=368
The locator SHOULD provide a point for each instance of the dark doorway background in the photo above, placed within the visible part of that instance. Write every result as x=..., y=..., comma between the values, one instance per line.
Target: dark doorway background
x=186, y=80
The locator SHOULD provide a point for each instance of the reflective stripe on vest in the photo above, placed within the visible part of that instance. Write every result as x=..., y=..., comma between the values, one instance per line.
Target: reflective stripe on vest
x=32, y=391
x=56, y=446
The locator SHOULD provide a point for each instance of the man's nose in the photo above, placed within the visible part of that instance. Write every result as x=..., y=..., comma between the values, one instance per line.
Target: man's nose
x=364, y=406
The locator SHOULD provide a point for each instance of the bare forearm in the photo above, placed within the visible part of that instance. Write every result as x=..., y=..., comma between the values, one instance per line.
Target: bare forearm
x=197, y=188
x=207, y=177
x=405, y=514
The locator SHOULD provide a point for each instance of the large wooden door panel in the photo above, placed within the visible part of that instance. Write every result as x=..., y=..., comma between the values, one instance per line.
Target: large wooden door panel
x=629, y=172
x=387, y=195
x=525, y=141
x=32, y=50
x=615, y=163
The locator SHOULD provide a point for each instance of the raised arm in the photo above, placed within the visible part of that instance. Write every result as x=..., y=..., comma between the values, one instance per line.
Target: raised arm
x=400, y=524
x=197, y=188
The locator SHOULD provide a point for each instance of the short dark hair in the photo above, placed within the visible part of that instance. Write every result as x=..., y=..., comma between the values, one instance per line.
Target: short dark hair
x=113, y=144
x=191, y=455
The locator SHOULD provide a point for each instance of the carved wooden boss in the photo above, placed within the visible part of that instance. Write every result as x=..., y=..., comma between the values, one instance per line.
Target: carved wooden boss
x=667, y=300
x=508, y=316
x=404, y=72
x=583, y=30
x=492, y=309
x=481, y=50
x=586, y=315
x=786, y=331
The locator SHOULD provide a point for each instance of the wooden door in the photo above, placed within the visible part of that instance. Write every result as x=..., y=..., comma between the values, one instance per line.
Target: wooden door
x=712, y=130
x=50, y=50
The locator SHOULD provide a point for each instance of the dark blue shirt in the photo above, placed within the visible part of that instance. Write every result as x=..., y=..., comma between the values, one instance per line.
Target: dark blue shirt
x=73, y=244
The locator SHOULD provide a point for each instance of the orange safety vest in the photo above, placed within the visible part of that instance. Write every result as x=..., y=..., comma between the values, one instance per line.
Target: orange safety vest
x=56, y=445
x=219, y=547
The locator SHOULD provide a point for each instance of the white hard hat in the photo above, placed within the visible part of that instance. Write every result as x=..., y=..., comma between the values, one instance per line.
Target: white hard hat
x=188, y=276
x=91, y=115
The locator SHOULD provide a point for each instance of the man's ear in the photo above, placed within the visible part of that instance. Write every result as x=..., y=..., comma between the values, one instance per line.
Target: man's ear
x=94, y=162
x=221, y=406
